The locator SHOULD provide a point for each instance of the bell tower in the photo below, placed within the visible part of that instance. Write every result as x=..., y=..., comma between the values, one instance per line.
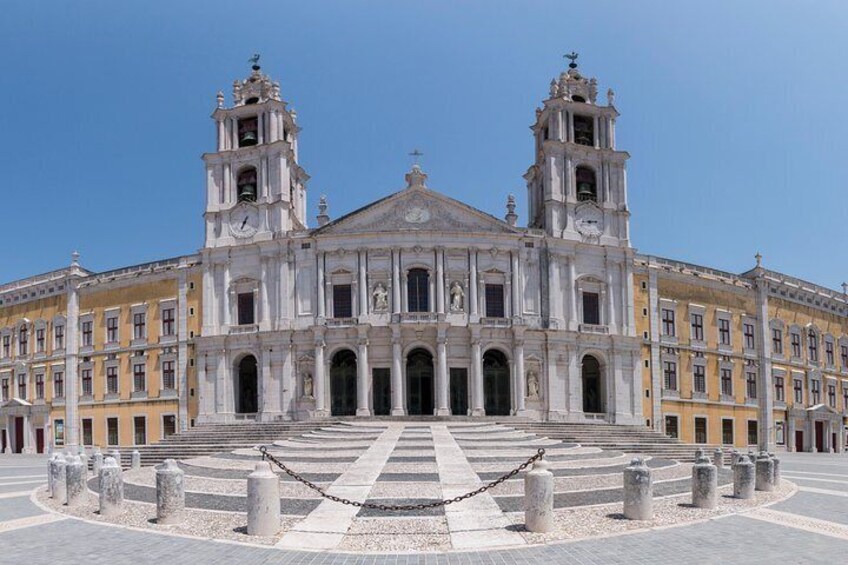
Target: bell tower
x=576, y=188
x=254, y=185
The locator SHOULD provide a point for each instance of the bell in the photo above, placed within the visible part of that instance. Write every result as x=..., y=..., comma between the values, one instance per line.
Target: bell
x=585, y=191
x=248, y=138
x=247, y=193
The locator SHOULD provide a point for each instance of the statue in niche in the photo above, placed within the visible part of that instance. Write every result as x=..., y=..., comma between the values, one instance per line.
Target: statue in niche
x=307, y=385
x=457, y=296
x=532, y=385
x=381, y=298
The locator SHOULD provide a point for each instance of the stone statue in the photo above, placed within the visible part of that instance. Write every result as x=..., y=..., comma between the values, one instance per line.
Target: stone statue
x=532, y=385
x=457, y=296
x=381, y=298
x=307, y=385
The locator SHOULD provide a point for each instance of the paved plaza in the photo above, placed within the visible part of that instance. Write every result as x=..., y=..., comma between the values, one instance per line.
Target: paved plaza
x=395, y=463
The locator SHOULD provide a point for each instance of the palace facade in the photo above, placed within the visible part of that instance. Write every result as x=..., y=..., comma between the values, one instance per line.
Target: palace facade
x=418, y=304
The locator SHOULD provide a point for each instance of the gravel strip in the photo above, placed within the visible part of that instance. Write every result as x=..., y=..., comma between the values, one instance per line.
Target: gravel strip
x=561, y=470
x=409, y=477
x=374, y=513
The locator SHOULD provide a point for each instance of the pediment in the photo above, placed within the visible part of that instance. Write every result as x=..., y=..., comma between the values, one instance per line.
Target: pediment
x=15, y=402
x=822, y=409
x=417, y=210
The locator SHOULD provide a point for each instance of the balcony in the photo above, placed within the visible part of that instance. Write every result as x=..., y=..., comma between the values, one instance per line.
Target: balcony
x=416, y=318
x=244, y=329
x=340, y=322
x=496, y=322
x=593, y=329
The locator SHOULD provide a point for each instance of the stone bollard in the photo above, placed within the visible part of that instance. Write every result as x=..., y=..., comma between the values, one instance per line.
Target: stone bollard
x=638, y=491
x=539, y=498
x=743, y=478
x=170, y=493
x=699, y=453
x=776, y=463
x=718, y=458
x=116, y=455
x=50, y=463
x=75, y=481
x=704, y=484
x=263, y=501
x=136, y=460
x=84, y=459
x=734, y=457
x=765, y=473
x=60, y=486
x=111, y=487
x=98, y=463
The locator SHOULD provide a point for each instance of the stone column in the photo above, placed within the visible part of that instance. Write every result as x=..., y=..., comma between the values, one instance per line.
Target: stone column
x=520, y=385
x=396, y=300
x=363, y=381
x=263, y=501
x=136, y=460
x=539, y=498
x=440, y=281
x=71, y=365
x=60, y=482
x=397, y=374
x=74, y=481
x=611, y=317
x=111, y=485
x=363, y=283
x=265, y=316
x=743, y=478
x=318, y=380
x=516, y=286
x=571, y=295
x=473, y=299
x=704, y=484
x=442, y=375
x=322, y=302
x=638, y=491
x=170, y=493
x=478, y=407
x=554, y=292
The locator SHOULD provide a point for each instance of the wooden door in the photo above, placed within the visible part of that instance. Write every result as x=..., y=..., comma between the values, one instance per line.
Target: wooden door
x=39, y=440
x=19, y=435
x=799, y=440
x=820, y=437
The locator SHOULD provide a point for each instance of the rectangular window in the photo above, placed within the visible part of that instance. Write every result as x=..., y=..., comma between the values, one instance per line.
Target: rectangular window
x=112, y=380
x=245, y=309
x=39, y=340
x=724, y=331
x=776, y=341
x=418, y=290
x=726, y=382
x=169, y=425
x=753, y=438
x=798, y=389
x=59, y=432
x=700, y=430
x=831, y=396
x=813, y=343
x=828, y=353
x=112, y=329
x=22, y=387
x=495, y=301
x=140, y=430
x=844, y=396
x=727, y=432
x=342, y=301
x=591, y=308
x=139, y=378
x=139, y=325
x=39, y=386
x=668, y=322
x=58, y=384
x=59, y=337
x=779, y=392
x=23, y=341
x=749, y=336
x=815, y=392
x=796, y=345
x=5, y=389
x=168, y=324
x=699, y=383
x=670, y=375
x=86, y=333
x=7, y=346
x=697, y=327
x=779, y=433
x=87, y=432
x=112, y=431
x=168, y=380
x=85, y=376
x=751, y=384
x=671, y=427
x=843, y=353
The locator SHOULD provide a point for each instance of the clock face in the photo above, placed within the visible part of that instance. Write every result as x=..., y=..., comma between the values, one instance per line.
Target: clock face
x=244, y=221
x=416, y=215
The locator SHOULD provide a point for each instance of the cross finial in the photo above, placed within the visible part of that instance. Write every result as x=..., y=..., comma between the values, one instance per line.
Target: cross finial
x=573, y=58
x=254, y=61
x=845, y=288
x=759, y=259
x=416, y=156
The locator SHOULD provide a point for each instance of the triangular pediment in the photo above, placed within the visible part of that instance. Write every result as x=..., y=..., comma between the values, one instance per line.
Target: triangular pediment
x=822, y=409
x=14, y=402
x=417, y=209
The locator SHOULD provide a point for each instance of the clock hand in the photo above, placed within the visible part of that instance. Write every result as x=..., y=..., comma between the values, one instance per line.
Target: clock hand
x=244, y=222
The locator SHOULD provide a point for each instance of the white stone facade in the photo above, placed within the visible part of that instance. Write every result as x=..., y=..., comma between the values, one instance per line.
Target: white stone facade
x=418, y=303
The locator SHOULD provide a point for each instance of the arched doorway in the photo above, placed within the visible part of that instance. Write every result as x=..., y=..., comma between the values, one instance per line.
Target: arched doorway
x=343, y=383
x=419, y=383
x=593, y=399
x=496, y=389
x=247, y=389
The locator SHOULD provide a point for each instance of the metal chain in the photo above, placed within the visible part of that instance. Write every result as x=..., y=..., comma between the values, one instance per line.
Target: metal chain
x=398, y=507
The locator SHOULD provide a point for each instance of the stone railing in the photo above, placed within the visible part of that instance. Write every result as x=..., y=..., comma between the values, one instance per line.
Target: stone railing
x=594, y=329
x=340, y=322
x=244, y=329
x=496, y=322
x=416, y=317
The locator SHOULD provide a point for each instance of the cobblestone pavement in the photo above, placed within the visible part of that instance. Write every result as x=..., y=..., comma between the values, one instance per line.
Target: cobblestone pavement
x=810, y=527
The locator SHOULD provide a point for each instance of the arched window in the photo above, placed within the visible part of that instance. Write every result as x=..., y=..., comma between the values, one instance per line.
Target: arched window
x=246, y=185
x=248, y=131
x=418, y=290
x=586, y=186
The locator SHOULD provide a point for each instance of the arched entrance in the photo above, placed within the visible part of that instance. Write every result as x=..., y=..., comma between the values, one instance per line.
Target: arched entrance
x=593, y=399
x=343, y=383
x=496, y=389
x=247, y=390
x=419, y=383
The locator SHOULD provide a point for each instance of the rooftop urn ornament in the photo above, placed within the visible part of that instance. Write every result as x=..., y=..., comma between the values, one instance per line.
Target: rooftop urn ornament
x=845, y=288
x=75, y=259
x=759, y=259
x=610, y=97
x=511, y=217
x=322, y=217
x=220, y=99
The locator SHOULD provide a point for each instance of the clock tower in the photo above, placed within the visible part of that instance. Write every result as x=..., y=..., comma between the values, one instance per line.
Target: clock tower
x=254, y=185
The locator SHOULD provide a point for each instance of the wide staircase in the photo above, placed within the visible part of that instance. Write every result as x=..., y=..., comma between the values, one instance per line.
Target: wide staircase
x=637, y=440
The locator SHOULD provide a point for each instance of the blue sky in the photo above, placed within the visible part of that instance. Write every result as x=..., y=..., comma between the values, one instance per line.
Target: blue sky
x=734, y=114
